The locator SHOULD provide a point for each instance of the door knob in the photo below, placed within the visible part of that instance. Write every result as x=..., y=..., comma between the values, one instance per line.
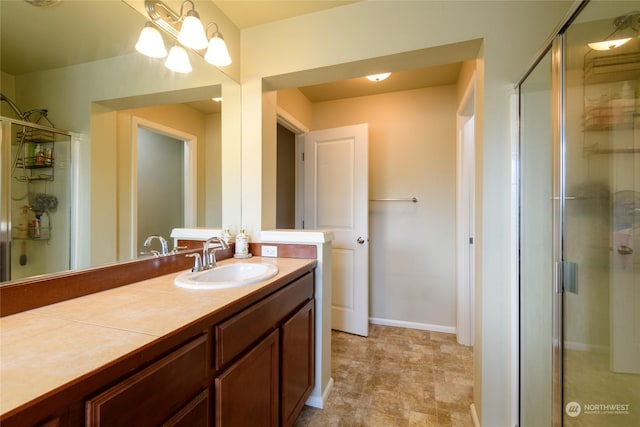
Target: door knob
x=360, y=240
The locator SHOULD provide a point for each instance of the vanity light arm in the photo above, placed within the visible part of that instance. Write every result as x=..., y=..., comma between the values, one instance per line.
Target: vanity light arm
x=193, y=9
x=216, y=32
x=161, y=21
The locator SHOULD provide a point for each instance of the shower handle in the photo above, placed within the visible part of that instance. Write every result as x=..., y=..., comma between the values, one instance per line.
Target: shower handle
x=625, y=250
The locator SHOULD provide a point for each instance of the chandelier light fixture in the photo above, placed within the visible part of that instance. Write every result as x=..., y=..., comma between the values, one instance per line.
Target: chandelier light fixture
x=625, y=28
x=185, y=27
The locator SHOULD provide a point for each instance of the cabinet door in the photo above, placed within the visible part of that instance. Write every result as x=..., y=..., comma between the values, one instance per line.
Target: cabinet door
x=236, y=334
x=195, y=414
x=297, y=370
x=247, y=392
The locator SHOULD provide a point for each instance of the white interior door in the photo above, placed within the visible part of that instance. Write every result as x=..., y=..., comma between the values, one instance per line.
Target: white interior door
x=336, y=198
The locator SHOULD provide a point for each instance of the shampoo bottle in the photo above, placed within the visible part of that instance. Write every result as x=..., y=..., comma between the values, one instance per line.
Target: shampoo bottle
x=227, y=236
x=22, y=226
x=44, y=226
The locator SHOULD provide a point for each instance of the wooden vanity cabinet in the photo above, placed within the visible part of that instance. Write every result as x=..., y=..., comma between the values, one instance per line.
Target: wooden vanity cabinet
x=253, y=366
x=265, y=359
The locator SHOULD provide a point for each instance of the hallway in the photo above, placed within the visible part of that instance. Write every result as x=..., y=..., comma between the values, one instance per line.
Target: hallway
x=396, y=377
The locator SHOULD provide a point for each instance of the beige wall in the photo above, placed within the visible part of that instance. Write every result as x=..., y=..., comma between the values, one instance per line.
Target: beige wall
x=7, y=87
x=412, y=153
x=512, y=33
x=108, y=126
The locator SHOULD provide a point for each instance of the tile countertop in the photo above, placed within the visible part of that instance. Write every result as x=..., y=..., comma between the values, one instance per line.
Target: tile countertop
x=48, y=347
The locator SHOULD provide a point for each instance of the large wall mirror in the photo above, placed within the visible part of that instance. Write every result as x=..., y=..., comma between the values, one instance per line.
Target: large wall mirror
x=77, y=60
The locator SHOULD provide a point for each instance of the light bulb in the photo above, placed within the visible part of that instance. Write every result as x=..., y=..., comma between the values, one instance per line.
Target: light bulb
x=192, y=32
x=178, y=60
x=217, y=53
x=378, y=77
x=150, y=42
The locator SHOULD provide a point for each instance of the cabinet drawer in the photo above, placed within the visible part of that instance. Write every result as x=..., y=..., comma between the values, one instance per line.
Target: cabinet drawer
x=238, y=332
x=154, y=394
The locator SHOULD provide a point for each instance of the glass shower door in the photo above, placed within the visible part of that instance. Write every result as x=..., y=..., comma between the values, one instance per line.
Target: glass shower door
x=35, y=204
x=601, y=236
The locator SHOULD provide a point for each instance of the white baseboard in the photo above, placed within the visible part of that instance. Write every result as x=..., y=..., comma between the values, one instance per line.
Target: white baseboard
x=413, y=325
x=320, y=401
x=474, y=416
x=580, y=346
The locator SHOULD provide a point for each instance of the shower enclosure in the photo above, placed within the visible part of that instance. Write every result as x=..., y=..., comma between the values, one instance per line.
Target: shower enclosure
x=35, y=208
x=580, y=224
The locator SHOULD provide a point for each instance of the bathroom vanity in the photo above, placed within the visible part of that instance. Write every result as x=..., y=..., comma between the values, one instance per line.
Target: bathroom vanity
x=151, y=353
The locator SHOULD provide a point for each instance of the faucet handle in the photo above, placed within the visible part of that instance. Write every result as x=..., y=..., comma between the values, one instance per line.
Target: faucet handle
x=177, y=248
x=197, y=264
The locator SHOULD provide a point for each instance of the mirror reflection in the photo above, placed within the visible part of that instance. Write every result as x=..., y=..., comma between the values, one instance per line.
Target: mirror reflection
x=110, y=98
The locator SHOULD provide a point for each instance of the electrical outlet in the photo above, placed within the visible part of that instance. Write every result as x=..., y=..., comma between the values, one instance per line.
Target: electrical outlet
x=270, y=251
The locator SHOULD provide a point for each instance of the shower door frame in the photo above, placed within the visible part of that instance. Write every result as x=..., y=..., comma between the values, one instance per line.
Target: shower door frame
x=555, y=45
x=5, y=199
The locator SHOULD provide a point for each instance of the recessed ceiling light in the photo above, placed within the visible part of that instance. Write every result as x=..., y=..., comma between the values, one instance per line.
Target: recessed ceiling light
x=378, y=77
x=217, y=99
x=608, y=44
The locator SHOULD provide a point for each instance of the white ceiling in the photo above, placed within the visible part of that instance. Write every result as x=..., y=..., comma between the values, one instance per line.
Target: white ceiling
x=250, y=13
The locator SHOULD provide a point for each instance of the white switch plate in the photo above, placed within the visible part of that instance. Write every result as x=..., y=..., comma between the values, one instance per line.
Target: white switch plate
x=270, y=251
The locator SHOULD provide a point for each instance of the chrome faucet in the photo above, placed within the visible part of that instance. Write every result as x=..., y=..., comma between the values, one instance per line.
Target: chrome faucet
x=197, y=264
x=163, y=243
x=209, y=253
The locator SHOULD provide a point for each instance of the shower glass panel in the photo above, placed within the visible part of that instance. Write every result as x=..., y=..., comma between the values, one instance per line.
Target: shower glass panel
x=601, y=236
x=35, y=202
x=536, y=263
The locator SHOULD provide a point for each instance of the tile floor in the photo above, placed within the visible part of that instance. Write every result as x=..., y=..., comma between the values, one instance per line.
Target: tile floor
x=588, y=379
x=396, y=377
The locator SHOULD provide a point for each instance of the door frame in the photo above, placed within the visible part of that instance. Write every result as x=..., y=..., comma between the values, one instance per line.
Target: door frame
x=466, y=183
x=190, y=178
x=294, y=125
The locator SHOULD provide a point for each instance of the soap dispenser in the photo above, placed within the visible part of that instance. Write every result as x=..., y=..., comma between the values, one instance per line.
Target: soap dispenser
x=242, y=245
x=227, y=237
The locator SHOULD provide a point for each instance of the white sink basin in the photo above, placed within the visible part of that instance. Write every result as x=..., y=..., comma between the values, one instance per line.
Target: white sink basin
x=227, y=276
